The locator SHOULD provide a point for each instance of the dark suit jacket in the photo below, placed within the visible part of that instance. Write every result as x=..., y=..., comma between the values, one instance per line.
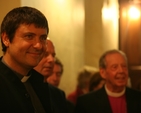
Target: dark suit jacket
x=97, y=102
x=15, y=99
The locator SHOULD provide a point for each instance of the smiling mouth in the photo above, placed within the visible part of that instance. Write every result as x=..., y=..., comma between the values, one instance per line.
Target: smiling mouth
x=121, y=79
x=35, y=53
x=48, y=68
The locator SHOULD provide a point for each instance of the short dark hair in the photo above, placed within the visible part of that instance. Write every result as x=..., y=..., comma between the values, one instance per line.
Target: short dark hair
x=102, y=62
x=58, y=62
x=22, y=15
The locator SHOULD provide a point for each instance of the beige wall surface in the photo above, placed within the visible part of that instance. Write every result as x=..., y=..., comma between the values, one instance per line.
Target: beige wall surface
x=78, y=29
x=110, y=24
x=101, y=33
x=93, y=32
x=5, y=7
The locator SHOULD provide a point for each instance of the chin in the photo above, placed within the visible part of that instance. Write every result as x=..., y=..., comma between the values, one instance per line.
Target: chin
x=122, y=85
x=46, y=74
x=33, y=64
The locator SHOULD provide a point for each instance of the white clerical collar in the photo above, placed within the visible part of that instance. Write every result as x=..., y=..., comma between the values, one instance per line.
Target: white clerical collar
x=23, y=78
x=113, y=94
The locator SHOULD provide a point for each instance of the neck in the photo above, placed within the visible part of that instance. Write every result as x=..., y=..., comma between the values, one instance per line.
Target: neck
x=114, y=94
x=12, y=64
x=115, y=89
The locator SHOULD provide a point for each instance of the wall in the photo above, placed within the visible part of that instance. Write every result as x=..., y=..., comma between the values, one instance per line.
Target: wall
x=110, y=18
x=93, y=32
x=5, y=7
x=101, y=29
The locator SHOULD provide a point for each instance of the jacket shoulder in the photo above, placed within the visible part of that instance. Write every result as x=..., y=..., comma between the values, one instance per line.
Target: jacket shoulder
x=55, y=89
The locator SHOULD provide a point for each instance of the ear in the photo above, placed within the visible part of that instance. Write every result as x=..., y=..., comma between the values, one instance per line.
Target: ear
x=5, y=39
x=102, y=73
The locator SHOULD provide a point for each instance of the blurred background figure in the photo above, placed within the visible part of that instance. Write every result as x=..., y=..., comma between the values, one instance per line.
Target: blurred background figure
x=82, y=87
x=55, y=96
x=55, y=78
x=96, y=82
x=56, y=75
x=45, y=66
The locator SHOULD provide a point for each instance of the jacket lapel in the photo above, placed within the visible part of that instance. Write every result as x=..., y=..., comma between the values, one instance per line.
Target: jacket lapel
x=103, y=101
x=42, y=90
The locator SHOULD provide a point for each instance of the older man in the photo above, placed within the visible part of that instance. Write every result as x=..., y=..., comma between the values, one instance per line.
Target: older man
x=45, y=67
x=114, y=97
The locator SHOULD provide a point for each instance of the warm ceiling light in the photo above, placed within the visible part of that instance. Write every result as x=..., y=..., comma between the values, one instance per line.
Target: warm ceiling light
x=134, y=13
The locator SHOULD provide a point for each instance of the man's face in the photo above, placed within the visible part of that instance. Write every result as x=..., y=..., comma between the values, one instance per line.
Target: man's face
x=116, y=72
x=55, y=78
x=45, y=66
x=27, y=47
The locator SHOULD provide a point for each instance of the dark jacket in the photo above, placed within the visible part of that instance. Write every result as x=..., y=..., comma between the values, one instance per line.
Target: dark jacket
x=97, y=102
x=15, y=99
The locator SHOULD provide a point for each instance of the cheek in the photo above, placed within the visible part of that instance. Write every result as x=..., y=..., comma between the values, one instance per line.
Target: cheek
x=111, y=75
x=103, y=73
x=43, y=61
x=44, y=47
x=59, y=78
x=40, y=64
x=126, y=72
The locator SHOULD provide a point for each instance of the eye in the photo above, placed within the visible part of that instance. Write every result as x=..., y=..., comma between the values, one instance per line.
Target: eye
x=43, y=38
x=124, y=66
x=114, y=67
x=29, y=36
x=54, y=55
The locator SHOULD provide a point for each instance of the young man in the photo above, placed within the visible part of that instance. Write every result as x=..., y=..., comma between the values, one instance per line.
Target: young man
x=45, y=68
x=114, y=97
x=23, y=35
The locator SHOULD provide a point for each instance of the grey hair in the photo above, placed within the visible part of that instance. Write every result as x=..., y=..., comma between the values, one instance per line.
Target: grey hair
x=102, y=62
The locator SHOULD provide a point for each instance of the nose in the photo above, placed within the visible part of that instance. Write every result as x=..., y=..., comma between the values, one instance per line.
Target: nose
x=120, y=69
x=51, y=58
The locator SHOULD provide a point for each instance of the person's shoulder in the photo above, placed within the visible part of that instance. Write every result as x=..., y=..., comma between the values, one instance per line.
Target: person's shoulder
x=133, y=91
x=36, y=76
x=3, y=67
x=87, y=100
x=70, y=106
x=33, y=71
x=133, y=95
x=57, y=95
x=93, y=95
x=55, y=89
